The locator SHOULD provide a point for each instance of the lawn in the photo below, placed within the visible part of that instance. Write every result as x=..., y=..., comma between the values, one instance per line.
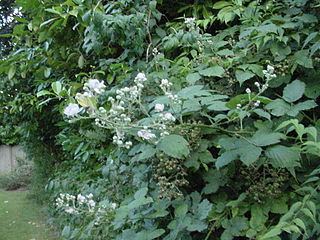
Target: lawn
x=21, y=218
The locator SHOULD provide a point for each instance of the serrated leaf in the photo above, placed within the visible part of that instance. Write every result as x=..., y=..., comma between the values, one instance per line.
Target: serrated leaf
x=192, y=91
x=263, y=139
x=235, y=225
x=193, y=78
x=300, y=224
x=258, y=217
x=218, y=106
x=243, y=76
x=262, y=113
x=181, y=210
x=272, y=233
x=294, y=91
x=278, y=206
x=278, y=107
x=215, y=71
x=294, y=110
x=174, y=146
x=309, y=214
x=282, y=156
x=237, y=149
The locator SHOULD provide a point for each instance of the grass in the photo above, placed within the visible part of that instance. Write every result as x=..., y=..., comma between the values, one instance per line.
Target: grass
x=21, y=218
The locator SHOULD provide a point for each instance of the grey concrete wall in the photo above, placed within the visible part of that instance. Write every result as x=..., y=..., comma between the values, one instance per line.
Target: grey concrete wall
x=8, y=158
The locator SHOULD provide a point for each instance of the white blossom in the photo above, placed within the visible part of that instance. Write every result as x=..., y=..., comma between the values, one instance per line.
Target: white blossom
x=189, y=20
x=248, y=90
x=169, y=117
x=270, y=69
x=141, y=77
x=72, y=109
x=91, y=203
x=145, y=134
x=159, y=107
x=113, y=206
x=96, y=86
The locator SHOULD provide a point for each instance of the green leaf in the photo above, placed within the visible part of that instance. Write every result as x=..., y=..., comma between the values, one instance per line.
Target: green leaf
x=258, y=217
x=215, y=71
x=81, y=61
x=262, y=138
x=235, y=225
x=215, y=179
x=181, y=210
x=221, y=4
x=302, y=58
x=243, y=76
x=226, y=158
x=272, y=233
x=192, y=78
x=174, y=146
x=47, y=72
x=12, y=71
x=56, y=87
x=203, y=209
x=302, y=106
x=294, y=91
x=282, y=156
x=237, y=149
x=278, y=107
x=278, y=206
x=43, y=93
x=192, y=91
x=218, y=106
x=262, y=113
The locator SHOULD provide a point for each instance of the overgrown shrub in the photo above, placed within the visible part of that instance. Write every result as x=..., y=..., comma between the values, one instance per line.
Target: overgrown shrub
x=200, y=123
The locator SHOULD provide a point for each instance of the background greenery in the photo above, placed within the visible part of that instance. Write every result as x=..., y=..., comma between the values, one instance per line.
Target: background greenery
x=252, y=171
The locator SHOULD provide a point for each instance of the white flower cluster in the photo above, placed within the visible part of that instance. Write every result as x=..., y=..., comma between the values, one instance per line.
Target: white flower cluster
x=269, y=73
x=166, y=88
x=91, y=88
x=94, y=86
x=146, y=134
x=120, y=111
x=189, y=20
x=81, y=204
x=119, y=139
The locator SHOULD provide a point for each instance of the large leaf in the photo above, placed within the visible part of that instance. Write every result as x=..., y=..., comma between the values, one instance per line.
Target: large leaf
x=302, y=106
x=215, y=71
x=278, y=107
x=262, y=138
x=174, y=146
x=294, y=91
x=243, y=76
x=237, y=149
x=282, y=156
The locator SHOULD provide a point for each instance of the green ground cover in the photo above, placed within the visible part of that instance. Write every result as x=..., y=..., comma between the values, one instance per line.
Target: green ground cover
x=21, y=218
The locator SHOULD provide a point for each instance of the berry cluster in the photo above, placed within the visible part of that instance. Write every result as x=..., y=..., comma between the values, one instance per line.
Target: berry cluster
x=170, y=176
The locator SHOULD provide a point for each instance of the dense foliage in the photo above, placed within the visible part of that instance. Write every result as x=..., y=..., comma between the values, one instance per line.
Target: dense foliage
x=170, y=119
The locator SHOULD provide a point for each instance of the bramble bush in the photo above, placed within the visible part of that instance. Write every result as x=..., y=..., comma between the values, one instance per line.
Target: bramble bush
x=170, y=120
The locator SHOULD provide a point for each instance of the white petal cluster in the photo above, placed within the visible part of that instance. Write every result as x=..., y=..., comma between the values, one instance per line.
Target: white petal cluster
x=189, y=20
x=167, y=117
x=146, y=134
x=95, y=86
x=81, y=204
x=72, y=109
x=159, y=107
x=269, y=73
